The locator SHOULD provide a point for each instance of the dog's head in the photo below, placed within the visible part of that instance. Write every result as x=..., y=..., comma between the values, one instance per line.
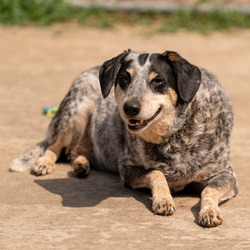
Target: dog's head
x=148, y=89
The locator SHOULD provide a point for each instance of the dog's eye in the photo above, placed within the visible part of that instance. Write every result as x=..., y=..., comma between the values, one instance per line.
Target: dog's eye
x=157, y=81
x=158, y=85
x=124, y=80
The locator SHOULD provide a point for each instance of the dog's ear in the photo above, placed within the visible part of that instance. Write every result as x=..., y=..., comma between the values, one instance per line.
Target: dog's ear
x=109, y=71
x=188, y=76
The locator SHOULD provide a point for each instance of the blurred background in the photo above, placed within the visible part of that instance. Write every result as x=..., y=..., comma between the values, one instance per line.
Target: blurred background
x=161, y=16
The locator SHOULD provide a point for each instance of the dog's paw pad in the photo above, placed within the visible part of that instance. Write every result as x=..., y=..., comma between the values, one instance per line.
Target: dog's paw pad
x=43, y=166
x=80, y=168
x=210, y=217
x=163, y=206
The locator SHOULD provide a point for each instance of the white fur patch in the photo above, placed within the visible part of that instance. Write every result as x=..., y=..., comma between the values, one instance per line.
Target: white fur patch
x=26, y=160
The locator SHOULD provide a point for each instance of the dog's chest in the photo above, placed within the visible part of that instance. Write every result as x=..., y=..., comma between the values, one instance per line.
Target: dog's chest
x=173, y=158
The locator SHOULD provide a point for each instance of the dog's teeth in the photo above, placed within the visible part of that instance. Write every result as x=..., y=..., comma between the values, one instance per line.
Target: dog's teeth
x=138, y=123
x=135, y=123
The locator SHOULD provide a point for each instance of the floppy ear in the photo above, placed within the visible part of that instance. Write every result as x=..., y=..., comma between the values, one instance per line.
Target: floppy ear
x=109, y=71
x=188, y=75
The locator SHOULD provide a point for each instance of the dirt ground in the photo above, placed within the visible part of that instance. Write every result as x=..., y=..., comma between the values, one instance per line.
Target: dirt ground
x=58, y=211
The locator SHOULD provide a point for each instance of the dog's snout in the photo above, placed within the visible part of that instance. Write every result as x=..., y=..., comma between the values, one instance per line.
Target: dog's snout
x=131, y=109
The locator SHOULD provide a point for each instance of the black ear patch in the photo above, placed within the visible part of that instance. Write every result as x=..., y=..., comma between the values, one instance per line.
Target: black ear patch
x=143, y=58
x=109, y=71
x=188, y=76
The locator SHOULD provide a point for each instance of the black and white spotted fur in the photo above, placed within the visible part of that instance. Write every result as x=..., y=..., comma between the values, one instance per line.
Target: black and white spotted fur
x=186, y=135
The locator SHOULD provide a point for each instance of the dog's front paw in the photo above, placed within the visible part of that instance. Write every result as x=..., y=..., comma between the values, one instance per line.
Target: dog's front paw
x=210, y=217
x=163, y=205
x=43, y=166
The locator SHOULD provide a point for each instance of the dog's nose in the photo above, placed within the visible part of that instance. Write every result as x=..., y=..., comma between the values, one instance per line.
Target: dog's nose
x=131, y=109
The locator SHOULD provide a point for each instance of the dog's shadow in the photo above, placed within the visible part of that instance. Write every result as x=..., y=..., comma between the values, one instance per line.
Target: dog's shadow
x=91, y=191
x=99, y=186
x=192, y=190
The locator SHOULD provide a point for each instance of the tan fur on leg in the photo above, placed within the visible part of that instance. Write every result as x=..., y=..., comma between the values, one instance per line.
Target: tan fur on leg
x=163, y=202
x=210, y=215
x=81, y=167
x=45, y=164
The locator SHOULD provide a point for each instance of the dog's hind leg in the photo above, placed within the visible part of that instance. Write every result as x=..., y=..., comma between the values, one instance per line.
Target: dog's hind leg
x=46, y=163
x=215, y=192
x=80, y=166
x=66, y=128
x=81, y=149
x=71, y=121
x=75, y=140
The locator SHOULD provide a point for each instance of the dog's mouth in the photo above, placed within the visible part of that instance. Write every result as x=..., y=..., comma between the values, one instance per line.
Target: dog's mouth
x=136, y=125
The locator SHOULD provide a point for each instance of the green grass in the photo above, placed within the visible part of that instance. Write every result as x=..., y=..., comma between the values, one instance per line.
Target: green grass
x=47, y=12
x=24, y=12
x=205, y=22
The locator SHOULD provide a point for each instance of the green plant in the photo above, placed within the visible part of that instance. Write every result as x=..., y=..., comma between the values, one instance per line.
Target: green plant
x=46, y=12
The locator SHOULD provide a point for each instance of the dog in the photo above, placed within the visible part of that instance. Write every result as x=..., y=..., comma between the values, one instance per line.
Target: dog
x=157, y=120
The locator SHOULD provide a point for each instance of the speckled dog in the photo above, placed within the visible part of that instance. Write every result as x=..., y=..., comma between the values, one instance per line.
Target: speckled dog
x=166, y=123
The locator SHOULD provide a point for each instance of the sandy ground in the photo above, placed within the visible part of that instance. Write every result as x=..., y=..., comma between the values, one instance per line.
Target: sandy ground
x=59, y=211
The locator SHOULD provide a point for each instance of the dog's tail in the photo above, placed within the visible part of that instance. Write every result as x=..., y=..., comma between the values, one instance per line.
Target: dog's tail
x=27, y=159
